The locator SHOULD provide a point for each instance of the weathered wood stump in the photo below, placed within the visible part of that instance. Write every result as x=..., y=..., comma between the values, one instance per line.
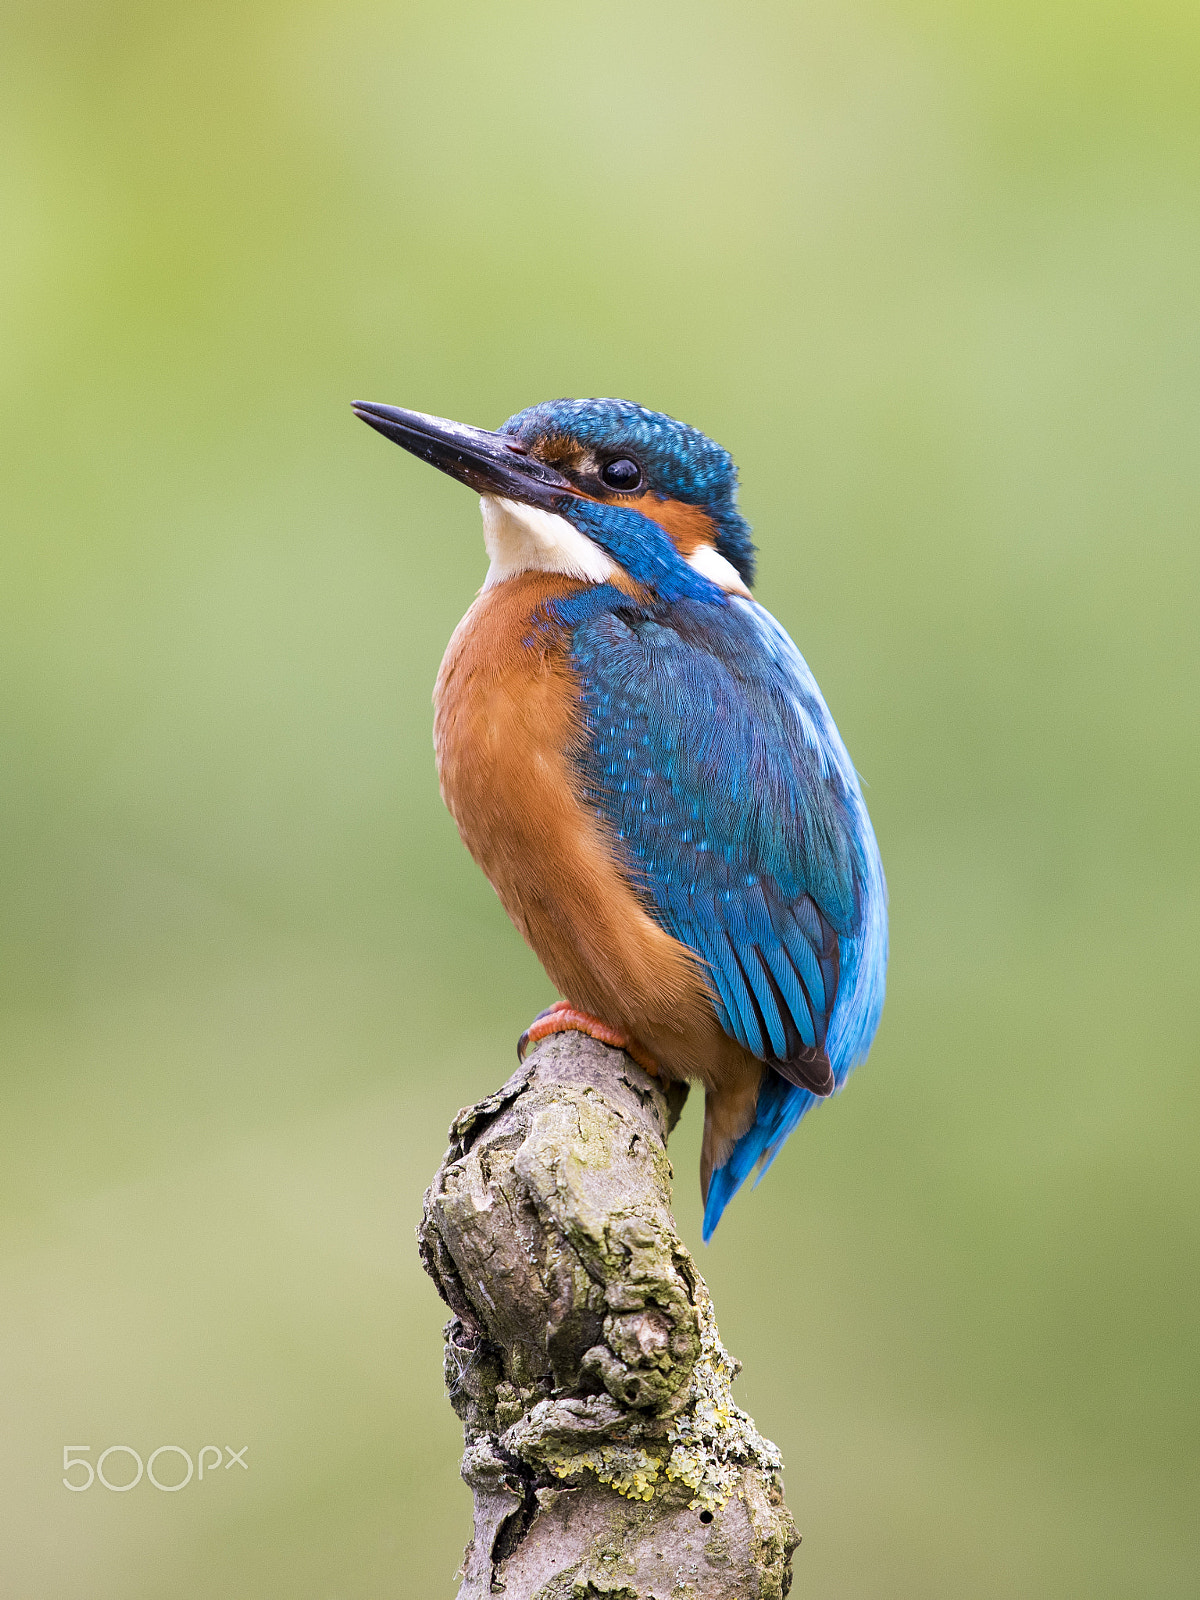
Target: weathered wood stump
x=603, y=1447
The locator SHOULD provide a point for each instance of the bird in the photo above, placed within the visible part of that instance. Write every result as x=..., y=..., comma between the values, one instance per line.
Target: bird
x=638, y=757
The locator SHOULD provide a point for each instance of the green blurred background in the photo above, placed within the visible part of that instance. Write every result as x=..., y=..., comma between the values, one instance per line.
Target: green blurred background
x=930, y=271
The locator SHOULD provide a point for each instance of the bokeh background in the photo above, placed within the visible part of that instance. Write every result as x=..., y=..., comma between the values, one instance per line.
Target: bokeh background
x=929, y=270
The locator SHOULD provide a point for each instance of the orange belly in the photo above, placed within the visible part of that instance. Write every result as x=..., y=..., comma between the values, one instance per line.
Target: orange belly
x=506, y=727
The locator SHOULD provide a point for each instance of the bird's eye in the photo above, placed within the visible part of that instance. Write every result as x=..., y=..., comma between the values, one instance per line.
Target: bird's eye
x=621, y=473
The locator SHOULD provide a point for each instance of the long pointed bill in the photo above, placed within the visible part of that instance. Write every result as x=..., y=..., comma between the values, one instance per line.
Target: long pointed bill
x=489, y=463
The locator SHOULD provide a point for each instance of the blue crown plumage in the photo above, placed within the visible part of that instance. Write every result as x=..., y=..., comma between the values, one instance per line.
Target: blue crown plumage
x=680, y=462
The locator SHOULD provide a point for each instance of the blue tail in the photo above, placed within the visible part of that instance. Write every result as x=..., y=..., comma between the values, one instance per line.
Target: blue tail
x=780, y=1107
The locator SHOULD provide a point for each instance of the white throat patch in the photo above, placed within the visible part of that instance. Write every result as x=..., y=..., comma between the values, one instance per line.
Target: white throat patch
x=708, y=561
x=520, y=538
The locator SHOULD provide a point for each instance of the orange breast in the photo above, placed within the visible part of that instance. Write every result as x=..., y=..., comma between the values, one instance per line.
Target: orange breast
x=506, y=727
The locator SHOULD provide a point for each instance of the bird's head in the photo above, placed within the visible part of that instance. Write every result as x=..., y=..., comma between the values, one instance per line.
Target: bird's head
x=590, y=489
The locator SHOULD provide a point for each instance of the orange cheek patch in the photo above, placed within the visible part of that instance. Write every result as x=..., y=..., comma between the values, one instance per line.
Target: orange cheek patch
x=688, y=527
x=557, y=449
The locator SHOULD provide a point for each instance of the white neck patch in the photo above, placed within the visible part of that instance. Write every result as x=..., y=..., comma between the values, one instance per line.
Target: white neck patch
x=520, y=538
x=708, y=561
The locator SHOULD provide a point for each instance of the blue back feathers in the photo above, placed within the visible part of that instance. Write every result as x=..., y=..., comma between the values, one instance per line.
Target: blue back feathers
x=713, y=757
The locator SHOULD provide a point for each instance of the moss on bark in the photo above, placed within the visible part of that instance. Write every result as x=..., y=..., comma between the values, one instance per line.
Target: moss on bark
x=603, y=1446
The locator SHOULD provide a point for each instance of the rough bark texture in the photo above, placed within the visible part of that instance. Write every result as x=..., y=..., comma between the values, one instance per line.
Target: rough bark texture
x=603, y=1447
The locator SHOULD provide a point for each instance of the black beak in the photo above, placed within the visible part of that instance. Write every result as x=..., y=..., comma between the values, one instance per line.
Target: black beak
x=489, y=463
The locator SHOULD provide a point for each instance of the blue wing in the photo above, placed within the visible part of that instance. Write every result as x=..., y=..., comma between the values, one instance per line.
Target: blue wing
x=714, y=758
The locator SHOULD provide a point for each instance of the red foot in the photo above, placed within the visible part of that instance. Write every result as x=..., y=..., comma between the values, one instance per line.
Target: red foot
x=562, y=1017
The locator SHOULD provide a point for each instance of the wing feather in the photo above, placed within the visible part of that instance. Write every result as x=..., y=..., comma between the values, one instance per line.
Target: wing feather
x=713, y=757
x=704, y=754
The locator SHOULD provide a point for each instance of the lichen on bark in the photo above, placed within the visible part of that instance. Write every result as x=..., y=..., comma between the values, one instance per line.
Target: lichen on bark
x=603, y=1446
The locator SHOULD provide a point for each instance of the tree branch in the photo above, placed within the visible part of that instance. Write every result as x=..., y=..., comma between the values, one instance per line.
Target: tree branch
x=603, y=1447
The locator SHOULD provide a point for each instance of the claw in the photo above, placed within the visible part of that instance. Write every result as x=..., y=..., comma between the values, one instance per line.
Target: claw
x=524, y=1041
x=562, y=1017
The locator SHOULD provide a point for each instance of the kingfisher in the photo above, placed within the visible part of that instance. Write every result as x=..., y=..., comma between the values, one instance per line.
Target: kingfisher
x=638, y=757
